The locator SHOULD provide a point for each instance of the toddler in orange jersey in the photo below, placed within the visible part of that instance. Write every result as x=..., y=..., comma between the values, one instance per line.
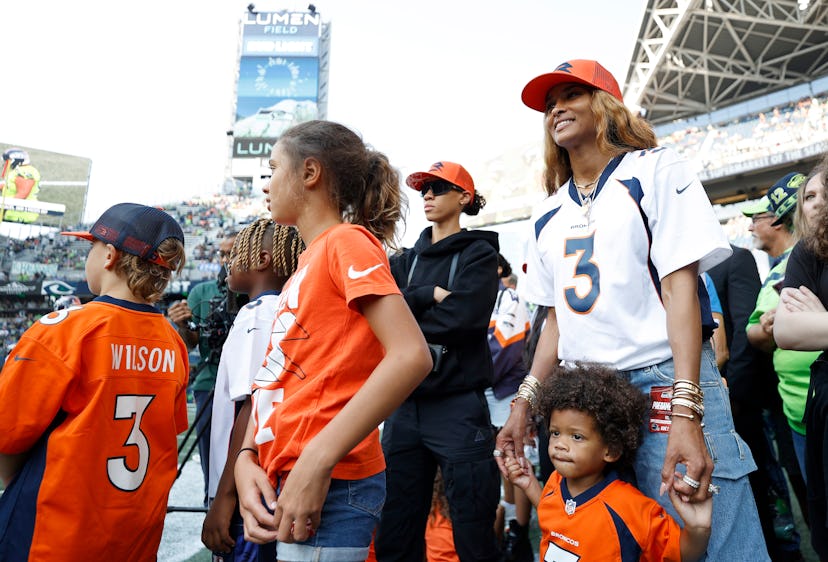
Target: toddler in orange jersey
x=585, y=511
x=344, y=353
x=92, y=399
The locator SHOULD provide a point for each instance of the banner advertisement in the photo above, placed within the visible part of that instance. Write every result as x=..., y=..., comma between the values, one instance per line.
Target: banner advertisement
x=20, y=288
x=30, y=268
x=278, y=83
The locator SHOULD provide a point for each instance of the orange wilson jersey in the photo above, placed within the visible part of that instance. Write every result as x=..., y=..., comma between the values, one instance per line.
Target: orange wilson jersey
x=321, y=351
x=610, y=521
x=96, y=395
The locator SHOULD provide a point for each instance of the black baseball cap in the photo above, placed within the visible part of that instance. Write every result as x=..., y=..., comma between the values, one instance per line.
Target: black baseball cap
x=135, y=229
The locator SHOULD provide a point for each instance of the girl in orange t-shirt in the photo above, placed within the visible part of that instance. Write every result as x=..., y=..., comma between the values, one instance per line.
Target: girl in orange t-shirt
x=345, y=351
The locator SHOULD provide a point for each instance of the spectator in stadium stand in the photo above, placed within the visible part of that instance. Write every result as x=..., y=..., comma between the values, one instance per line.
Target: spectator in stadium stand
x=615, y=251
x=777, y=238
x=189, y=318
x=801, y=323
x=772, y=225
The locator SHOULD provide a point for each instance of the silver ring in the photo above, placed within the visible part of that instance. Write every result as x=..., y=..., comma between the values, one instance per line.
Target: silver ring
x=497, y=453
x=713, y=489
x=690, y=482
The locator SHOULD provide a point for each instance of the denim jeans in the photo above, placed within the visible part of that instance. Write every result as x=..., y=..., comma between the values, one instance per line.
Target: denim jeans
x=736, y=532
x=351, y=511
x=243, y=551
x=799, y=448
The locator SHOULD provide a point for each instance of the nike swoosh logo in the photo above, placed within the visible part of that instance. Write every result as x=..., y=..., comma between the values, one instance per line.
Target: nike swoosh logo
x=18, y=358
x=355, y=274
x=682, y=190
x=251, y=329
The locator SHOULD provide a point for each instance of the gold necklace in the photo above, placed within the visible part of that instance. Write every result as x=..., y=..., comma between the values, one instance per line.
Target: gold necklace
x=588, y=198
x=586, y=185
x=586, y=201
x=593, y=182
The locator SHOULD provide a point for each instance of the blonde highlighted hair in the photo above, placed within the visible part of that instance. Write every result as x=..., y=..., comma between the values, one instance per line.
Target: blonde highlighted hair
x=618, y=130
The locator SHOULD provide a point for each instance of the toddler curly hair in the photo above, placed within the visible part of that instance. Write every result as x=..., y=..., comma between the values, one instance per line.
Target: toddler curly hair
x=617, y=406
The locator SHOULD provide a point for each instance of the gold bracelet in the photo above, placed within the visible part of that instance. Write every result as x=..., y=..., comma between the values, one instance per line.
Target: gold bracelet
x=697, y=398
x=532, y=381
x=698, y=408
x=528, y=393
x=690, y=417
x=529, y=396
x=680, y=383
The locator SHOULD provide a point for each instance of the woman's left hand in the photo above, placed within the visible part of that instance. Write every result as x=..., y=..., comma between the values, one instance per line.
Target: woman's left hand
x=299, y=507
x=801, y=300
x=685, y=445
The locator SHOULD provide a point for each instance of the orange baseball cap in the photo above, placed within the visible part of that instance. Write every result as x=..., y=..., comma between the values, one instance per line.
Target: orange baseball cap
x=587, y=72
x=448, y=171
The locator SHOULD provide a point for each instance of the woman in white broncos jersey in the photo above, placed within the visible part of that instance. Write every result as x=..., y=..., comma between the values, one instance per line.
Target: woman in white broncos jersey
x=615, y=252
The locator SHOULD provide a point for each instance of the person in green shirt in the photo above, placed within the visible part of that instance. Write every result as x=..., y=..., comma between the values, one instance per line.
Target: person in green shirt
x=774, y=230
x=188, y=316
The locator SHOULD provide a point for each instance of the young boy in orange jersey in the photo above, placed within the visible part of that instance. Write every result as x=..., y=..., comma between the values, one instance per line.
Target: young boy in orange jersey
x=585, y=511
x=92, y=399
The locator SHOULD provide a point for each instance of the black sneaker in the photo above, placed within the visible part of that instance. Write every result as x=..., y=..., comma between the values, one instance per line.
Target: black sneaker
x=516, y=545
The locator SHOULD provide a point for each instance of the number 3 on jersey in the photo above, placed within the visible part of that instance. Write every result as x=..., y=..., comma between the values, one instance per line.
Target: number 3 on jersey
x=130, y=406
x=586, y=268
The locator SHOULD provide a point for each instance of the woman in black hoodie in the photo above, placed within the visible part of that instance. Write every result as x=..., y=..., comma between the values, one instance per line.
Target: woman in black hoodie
x=449, y=280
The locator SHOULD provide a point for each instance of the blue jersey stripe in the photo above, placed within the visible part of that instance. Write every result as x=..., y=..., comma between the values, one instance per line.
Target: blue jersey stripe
x=637, y=194
x=708, y=325
x=541, y=222
x=630, y=549
x=18, y=504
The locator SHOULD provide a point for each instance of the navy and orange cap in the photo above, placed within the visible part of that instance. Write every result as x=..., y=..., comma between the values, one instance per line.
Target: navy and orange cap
x=134, y=229
x=587, y=72
x=448, y=171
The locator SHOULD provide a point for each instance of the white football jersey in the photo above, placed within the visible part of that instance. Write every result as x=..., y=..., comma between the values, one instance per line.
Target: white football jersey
x=241, y=357
x=601, y=268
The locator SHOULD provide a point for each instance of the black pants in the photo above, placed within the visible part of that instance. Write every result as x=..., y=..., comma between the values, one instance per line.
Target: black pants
x=816, y=456
x=455, y=433
x=748, y=419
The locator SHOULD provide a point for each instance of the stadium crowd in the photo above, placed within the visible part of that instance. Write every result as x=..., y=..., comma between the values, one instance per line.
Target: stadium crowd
x=765, y=133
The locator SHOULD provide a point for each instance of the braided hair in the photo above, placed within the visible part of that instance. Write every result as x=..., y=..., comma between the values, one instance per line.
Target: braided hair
x=283, y=242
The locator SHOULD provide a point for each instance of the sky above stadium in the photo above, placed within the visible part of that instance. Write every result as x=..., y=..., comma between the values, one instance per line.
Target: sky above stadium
x=147, y=91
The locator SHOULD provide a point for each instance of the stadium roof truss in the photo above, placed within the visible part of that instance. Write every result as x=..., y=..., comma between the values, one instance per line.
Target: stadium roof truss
x=696, y=56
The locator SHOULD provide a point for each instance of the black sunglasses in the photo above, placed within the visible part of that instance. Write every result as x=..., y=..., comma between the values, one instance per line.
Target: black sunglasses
x=438, y=187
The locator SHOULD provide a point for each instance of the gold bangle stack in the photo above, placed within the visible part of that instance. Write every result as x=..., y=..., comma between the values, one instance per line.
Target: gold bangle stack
x=529, y=390
x=689, y=395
